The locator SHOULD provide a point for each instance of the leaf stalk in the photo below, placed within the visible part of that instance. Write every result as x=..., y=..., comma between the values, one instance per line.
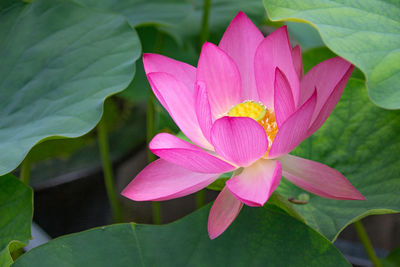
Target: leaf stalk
x=108, y=172
x=362, y=234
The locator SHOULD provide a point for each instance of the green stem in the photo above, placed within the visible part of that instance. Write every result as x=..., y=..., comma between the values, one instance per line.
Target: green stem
x=150, y=125
x=362, y=234
x=108, y=172
x=156, y=205
x=151, y=130
x=25, y=174
x=204, y=32
x=200, y=198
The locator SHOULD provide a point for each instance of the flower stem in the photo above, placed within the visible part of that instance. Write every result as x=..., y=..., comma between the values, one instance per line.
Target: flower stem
x=108, y=172
x=362, y=234
x=150, y=125
x=204, y=32
x=151, y=130
x=25, y=173
x=156, y=206
x=200, y=198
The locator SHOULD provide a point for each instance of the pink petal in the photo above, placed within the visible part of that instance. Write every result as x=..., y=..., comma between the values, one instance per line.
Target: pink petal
x=256, y=183
x=293, y=130
x=203, y=110
x=297, y=61
x=186, y=155
x=178, y=100
x=275, y=51
x=327, y=76
x=223, y=212
x=221, y=76
x=283, y=98
x=330, y=103
x=161, y=180
x=318, y=179
x=240, y=42
x=239, y=140
x=180, y=70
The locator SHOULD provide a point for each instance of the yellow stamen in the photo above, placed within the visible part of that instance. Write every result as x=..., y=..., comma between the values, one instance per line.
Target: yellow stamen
x=258, y=112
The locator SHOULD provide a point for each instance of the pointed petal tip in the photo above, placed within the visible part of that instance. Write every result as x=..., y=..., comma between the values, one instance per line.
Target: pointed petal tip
x=318, y=179
x=354, y=195
x=146, y=55
x=123, y=192
x=161, y=180
x=240, y=41
x=212, y=234
x=284, y=28
x=344, y=63
x=206, y=45
x=341, y=59
x=146, y=58
x=240, y=16
x=211, y=238
x=278, y=72
x=222, y=213
x=134, y=197
x=357, y=195
x=284, y=104
x=127, y=194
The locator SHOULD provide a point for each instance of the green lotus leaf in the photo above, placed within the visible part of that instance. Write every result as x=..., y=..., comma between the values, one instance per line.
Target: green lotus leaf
x=16, y=211
x=59, y=61
x=258, y=237
x=367, y=33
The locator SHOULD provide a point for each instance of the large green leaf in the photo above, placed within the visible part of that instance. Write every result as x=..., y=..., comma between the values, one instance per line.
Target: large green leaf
x=139, y=12
x=59, y=61
x=362, y=141
x=258, y=237
x=366, y=32
x=16, y=213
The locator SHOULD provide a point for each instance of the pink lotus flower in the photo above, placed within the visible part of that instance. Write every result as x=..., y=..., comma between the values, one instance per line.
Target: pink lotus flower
x=245, y=107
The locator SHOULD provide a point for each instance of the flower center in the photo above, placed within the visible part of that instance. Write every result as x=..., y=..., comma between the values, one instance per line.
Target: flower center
x=260, y=113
